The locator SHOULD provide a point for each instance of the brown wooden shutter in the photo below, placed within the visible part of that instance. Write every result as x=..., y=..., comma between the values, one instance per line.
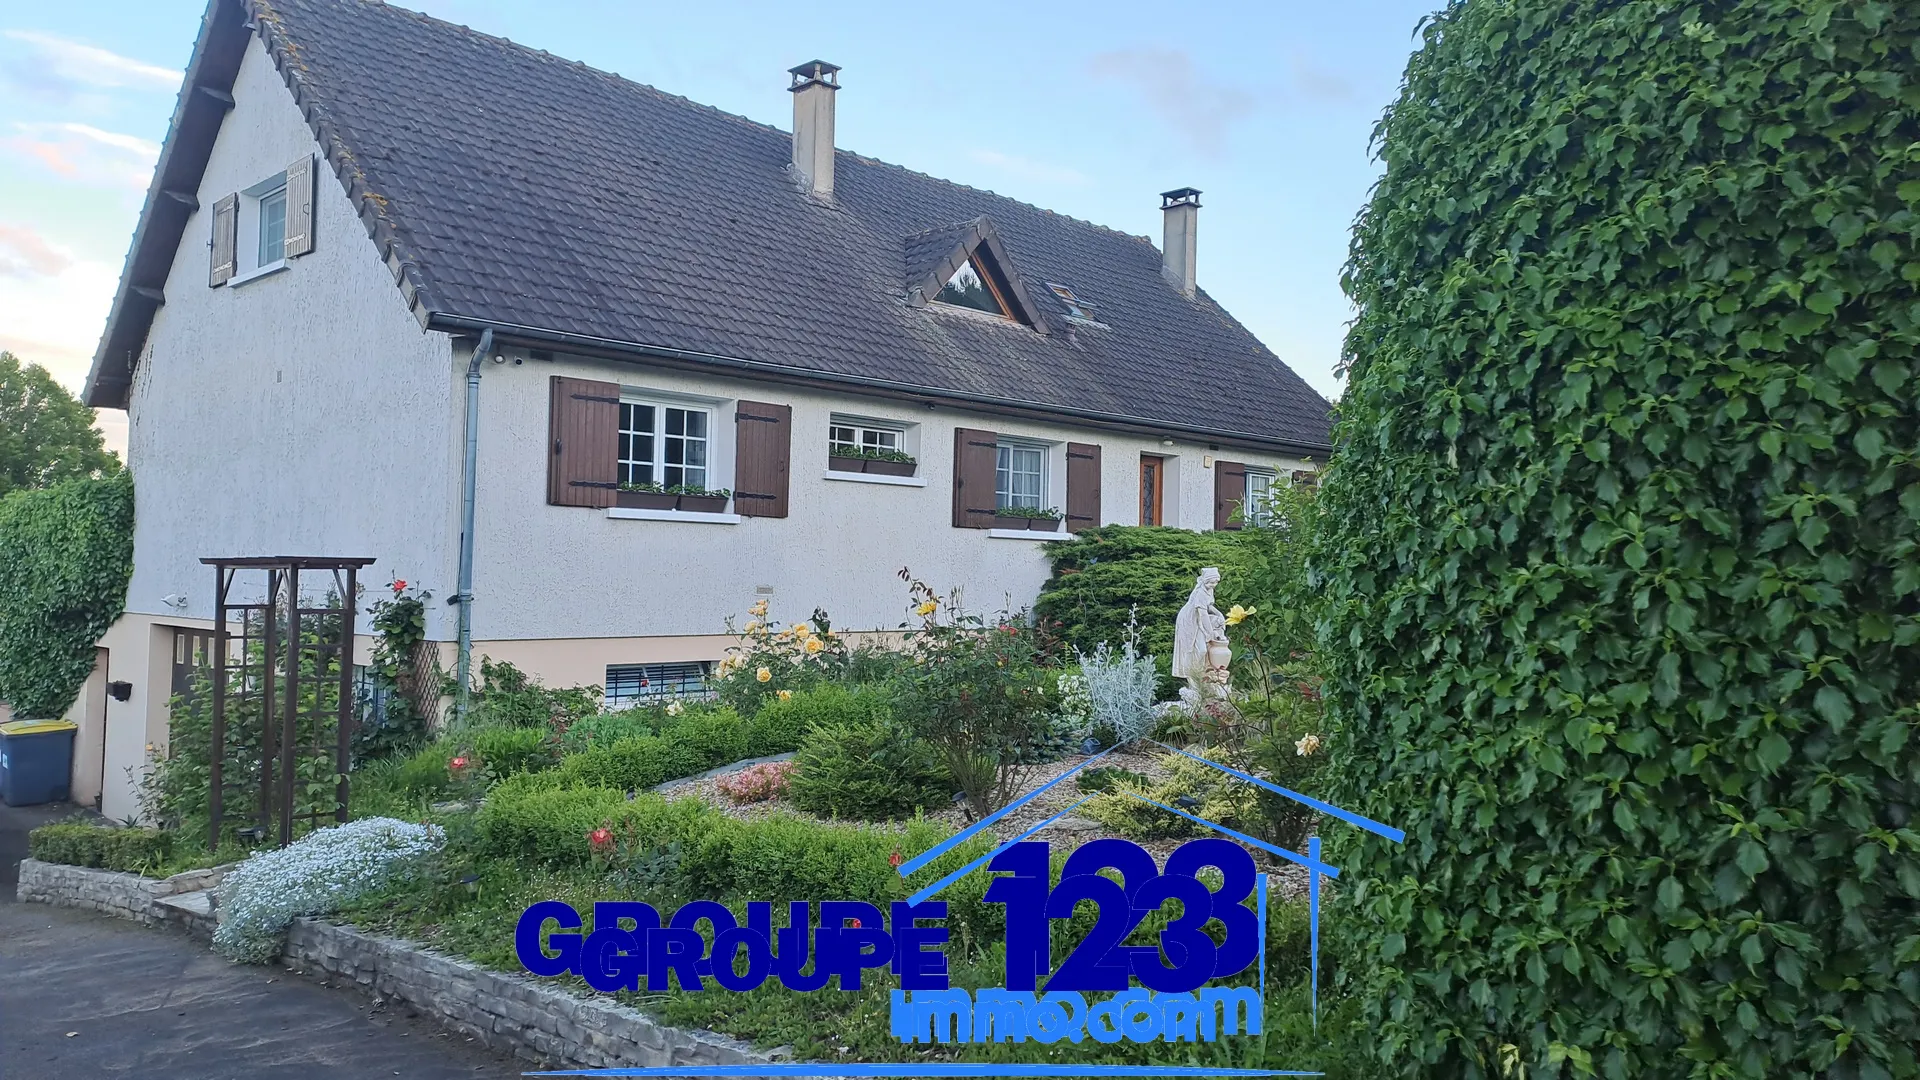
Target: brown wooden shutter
x=583, y=451
x=762, y=458
x=975, y=457
x=299, y=238
x=1083, y=486
x=1229, y=491
x=226, y=230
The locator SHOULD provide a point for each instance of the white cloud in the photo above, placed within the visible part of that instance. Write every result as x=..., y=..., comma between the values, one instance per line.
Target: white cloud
x=55, y=319
x=24, y=253
x=85, y=153
x=1198, y=109
x=66, y=65
x=1028, y=169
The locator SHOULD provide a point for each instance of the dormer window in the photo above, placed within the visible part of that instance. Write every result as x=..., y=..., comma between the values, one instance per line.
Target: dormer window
x=969, y=287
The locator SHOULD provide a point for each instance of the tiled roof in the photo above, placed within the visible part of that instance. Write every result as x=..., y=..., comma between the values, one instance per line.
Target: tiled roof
x=510, y=186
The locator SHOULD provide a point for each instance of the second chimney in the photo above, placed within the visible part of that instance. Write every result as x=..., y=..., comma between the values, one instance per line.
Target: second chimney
x=1178, y=255
x=814, y=83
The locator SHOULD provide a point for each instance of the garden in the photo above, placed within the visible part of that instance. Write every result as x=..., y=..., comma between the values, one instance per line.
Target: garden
x=813, y=766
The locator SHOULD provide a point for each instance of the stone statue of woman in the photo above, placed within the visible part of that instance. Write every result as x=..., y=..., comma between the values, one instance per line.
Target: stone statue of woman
x=1200, y=652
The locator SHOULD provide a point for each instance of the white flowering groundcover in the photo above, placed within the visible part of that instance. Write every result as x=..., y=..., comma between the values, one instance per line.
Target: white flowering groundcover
x=313, y=876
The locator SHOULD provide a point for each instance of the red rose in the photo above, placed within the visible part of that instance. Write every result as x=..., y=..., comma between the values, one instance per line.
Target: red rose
x=601, y=838
x=895, y=859
x=458, y=763
x=399, y=584
x=855, y=923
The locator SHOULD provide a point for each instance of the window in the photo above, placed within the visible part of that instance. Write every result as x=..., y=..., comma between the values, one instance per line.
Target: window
x=272, y=227
x=1020, y=476
x=1076, y=307
x=663, y=444
x=855, y=435
x=1259, y=492
x=970, y=288
x=636, y=684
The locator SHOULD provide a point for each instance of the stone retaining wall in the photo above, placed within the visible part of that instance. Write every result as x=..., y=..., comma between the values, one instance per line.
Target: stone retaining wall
x=512, y=1013
x=126, y=896
x=516, y=1014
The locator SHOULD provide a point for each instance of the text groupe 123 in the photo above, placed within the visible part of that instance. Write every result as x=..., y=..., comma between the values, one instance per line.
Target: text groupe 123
x=630, y=945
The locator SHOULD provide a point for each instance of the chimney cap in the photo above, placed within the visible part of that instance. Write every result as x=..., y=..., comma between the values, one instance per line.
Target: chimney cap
x=1185, y=196
x=812, y=72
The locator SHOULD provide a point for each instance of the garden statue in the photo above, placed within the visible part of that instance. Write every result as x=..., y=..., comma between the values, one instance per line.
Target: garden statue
x=1200, y=651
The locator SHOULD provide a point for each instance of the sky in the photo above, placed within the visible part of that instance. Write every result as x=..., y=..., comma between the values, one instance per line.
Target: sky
x=1089, y=110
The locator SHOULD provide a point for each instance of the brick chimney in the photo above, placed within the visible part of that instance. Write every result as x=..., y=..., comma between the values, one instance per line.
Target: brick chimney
x=1181, y=209
x=814, y=83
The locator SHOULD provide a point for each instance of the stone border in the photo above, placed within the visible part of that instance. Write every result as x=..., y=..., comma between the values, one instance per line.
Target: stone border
x=531, y=1019
x=511, y=1013
x=110, y=892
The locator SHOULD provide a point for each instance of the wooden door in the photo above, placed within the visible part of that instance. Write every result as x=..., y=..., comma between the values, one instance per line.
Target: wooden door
x=1153, y=469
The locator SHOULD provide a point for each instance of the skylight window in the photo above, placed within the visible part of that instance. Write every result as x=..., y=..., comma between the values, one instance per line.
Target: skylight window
x=1076, y=307
x=968, y=287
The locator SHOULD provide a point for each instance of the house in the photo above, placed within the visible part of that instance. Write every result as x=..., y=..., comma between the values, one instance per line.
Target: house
x=386, y=261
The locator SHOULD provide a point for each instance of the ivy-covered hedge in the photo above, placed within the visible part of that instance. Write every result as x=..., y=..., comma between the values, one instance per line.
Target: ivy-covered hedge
x=1101, y=575
x=66, y=553
x=1621, y=545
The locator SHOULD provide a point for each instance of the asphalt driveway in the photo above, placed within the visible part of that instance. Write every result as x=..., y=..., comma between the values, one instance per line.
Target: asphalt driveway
x=84, y=996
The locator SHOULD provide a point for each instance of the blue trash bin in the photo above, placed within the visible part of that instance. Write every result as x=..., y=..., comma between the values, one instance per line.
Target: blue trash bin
x=36, y=761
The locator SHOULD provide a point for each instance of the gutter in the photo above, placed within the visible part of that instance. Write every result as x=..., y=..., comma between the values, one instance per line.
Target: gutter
x=463, y=662
x=538, y=335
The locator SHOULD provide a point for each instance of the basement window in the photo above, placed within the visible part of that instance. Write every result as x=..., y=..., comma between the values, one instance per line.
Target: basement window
x=643, y=684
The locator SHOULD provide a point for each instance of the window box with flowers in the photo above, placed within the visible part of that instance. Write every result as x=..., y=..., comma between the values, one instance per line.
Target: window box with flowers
x=1030, y=518
x=687, y=498
x=700, y=500
x=878, y=461
x=645, y=496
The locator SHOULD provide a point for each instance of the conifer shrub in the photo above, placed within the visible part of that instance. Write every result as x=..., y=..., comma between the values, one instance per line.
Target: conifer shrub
x=1619, y=548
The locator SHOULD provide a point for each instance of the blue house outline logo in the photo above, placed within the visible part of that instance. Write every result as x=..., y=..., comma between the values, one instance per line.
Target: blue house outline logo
x=1311, y=860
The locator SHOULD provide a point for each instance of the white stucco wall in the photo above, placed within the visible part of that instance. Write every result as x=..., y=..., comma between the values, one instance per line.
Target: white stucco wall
x=553, y=572
x=300, y=413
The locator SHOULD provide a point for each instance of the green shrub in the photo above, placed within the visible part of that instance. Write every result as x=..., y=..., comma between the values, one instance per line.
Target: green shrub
x=714, y=736
x=867, y=770
x=781, y=726
x=1621, y=558
x=632, y=764
x=1104, y=778
x=425, y=774
x=510, y=697
x=66, y=554
x=1101, y=575
x=505, y=752
x=529, y=817
x=82, y=844
x=605, y=729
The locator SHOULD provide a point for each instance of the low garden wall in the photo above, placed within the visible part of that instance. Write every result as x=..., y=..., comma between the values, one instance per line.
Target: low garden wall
x=511, y=1014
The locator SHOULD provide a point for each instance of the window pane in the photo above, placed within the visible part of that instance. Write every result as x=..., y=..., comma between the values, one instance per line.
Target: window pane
x=967, y=289
x=684, y=448
x=636, y=444
x=1018, y=480
x=1259, y=490
x=273, y=228
x=838, y=435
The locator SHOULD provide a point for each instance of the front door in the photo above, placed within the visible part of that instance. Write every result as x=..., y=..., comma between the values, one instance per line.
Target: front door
x=1152, y=488
x=192, y=654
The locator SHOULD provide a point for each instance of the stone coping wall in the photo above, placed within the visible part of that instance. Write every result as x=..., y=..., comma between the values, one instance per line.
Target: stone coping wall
x=512, y=1013
x=516, y=1014
x=125, y=896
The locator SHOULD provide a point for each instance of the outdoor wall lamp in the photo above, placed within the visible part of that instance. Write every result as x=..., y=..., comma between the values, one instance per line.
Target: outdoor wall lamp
x=119, y=690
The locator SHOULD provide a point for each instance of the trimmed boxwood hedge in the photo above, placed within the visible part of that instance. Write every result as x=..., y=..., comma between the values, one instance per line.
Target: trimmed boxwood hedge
x=80, y=844
x=1621, y=545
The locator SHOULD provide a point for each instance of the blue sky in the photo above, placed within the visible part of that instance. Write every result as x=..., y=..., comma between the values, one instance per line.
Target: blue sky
x=1086, y=109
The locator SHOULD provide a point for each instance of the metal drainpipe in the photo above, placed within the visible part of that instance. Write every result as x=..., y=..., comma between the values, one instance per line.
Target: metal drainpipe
x=463, y=662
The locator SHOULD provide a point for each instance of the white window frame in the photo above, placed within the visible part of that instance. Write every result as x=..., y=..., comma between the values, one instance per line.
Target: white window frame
x=866, y=434
x=1002, y=492
x=246, y=248
x=1260, y=485
x=658, y=464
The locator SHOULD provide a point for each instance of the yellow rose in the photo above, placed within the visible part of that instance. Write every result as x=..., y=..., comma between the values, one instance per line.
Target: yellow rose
x=927, y=608
x=763, y=675
x=1307, y=745
x=785, y=695
x=750, y=627
x=800, y=630
x=814, y=645
x=758, y=610
x=1237, y=614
